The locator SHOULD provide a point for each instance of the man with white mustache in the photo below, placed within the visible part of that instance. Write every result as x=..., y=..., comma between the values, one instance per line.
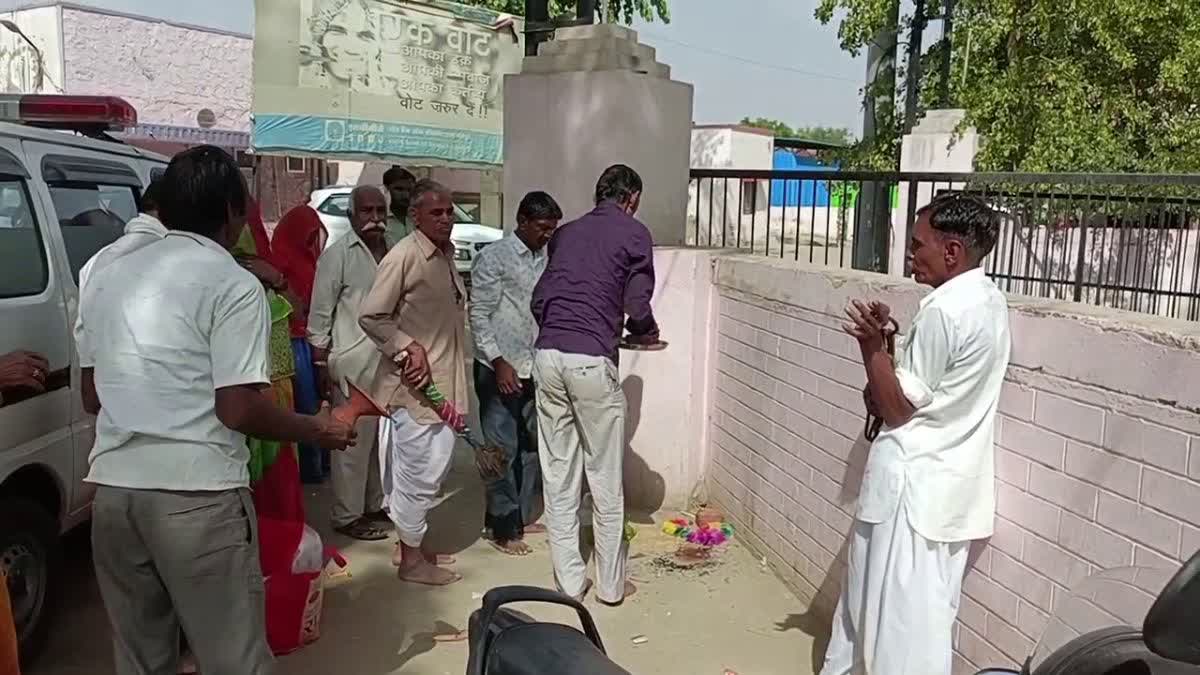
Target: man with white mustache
x=341, y=351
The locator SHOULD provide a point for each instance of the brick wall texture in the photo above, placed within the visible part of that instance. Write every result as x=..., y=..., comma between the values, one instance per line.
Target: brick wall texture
x=1088, y=477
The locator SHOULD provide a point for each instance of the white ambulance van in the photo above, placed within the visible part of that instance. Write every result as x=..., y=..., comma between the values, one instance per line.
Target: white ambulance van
x=66, y=190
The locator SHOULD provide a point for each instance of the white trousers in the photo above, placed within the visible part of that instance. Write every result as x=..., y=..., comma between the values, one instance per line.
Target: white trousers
x=357, y=478
x=421, y=459
x=898, y=604
x=581, y=430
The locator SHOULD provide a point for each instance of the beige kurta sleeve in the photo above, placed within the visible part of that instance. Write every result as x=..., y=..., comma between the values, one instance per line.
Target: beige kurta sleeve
x=379, y=314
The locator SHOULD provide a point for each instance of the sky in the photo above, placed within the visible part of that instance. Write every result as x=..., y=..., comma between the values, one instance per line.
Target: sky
x=771, y=60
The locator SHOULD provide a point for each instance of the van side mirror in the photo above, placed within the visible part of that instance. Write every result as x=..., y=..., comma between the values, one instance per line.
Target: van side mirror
x=1172, y=626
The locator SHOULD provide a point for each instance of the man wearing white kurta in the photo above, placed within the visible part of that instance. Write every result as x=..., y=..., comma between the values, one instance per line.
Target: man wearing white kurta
x=345, y=273
x=928, y=486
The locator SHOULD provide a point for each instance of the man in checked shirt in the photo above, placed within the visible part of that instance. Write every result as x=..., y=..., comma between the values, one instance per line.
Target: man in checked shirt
x=503, y=277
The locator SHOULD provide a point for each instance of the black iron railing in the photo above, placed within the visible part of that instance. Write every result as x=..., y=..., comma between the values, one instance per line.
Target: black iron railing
x=1130, y=241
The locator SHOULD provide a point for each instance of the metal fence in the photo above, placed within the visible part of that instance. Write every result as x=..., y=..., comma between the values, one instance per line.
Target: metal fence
x=1129, y=241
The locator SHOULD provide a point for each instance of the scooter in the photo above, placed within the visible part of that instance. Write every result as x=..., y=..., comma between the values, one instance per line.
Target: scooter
x=1123, y=621
x=504, y=641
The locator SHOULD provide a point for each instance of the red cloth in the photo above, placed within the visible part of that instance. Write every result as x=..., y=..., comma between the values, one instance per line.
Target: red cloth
x=262, y=242
x=279, y=501
x=294, y=251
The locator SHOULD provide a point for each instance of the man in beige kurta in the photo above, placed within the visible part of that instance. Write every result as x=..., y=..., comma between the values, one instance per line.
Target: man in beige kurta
x=415, y=314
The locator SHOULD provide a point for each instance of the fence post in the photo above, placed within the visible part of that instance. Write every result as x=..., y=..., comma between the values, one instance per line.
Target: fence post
x=1080, y=258
x=871, y=244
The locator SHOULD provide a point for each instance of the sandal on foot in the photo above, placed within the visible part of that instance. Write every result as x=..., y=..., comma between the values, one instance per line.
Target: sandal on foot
x=504, y=547
x=380, y=516
x=363, y=530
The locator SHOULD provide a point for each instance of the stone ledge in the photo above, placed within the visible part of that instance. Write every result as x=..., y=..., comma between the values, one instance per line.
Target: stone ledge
x=593, y=62
x=598, y=30
x=1073, y=341
x=594, y=45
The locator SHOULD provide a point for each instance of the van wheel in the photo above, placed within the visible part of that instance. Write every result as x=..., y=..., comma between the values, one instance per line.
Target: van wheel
x=31, y=556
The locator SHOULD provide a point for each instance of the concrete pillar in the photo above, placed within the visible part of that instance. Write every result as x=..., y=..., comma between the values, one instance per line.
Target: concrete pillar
x=935, y=145
x=491, y=198
x=593, y=97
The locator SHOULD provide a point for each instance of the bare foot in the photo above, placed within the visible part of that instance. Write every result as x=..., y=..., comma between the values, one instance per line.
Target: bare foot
x=431, y=558
x=630, y=590
x=512, y=547
x=535, y=528
x=422, y=572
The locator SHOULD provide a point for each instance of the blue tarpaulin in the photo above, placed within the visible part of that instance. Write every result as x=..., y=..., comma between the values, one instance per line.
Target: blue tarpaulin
x=798, y=193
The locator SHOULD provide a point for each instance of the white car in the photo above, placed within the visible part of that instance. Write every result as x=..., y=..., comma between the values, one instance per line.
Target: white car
x=332, y=204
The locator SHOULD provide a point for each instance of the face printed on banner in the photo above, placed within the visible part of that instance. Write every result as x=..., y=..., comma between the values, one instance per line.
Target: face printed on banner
x=349, y=43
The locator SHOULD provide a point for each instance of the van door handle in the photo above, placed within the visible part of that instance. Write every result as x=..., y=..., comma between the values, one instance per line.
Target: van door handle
x=55, y=380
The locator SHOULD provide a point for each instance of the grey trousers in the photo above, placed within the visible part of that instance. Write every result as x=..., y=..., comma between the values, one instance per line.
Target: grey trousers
x=357, y=482
x=172, y=560
x=581, y=430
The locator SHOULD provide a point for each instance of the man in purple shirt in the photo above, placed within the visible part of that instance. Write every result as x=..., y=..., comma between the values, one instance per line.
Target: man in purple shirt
x=600, y=275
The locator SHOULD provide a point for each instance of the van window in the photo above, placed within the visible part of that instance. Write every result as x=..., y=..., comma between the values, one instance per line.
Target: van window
x=91, y=216
x=23, y=268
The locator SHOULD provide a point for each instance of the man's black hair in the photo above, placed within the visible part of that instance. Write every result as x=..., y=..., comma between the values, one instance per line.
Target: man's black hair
x=201, y=188
x=966, y=218
x=397, y=173
x=539, y=205
x=617, y=184
x=151, y=196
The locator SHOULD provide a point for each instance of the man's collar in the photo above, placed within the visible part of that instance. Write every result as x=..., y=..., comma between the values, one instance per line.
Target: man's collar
x=522, y=248
x=199, y=239
x=428, y=248
x=355, y=240
x=144, y=223
x=972, y=276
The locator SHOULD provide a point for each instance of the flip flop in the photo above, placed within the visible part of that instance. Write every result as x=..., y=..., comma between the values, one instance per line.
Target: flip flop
x=496, y=544
x=380, y=516
x=363, y=530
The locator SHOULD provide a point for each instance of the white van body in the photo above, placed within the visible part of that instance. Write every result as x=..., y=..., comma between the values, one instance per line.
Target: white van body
x=62, y=198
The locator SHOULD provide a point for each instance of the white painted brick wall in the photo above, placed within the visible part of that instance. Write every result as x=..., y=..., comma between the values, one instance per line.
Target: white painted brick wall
x=169, y=73
x=1097, y=464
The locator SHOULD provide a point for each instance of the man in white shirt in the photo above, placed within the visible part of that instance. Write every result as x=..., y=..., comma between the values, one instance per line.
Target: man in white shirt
x=504, y=330
x=342, y=351
x=928, y=488
x=176, y=387
x=143, y=229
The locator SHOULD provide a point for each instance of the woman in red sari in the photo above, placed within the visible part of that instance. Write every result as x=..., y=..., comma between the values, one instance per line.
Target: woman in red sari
x=294, y=251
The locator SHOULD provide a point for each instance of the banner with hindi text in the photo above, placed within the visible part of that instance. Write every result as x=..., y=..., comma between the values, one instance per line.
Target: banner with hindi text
x=420, y=82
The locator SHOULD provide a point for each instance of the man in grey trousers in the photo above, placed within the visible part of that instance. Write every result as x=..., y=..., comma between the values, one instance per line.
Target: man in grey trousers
x=175, y=362
x=600, y=277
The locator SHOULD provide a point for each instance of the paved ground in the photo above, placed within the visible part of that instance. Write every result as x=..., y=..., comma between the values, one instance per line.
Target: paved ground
x=734, y=615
